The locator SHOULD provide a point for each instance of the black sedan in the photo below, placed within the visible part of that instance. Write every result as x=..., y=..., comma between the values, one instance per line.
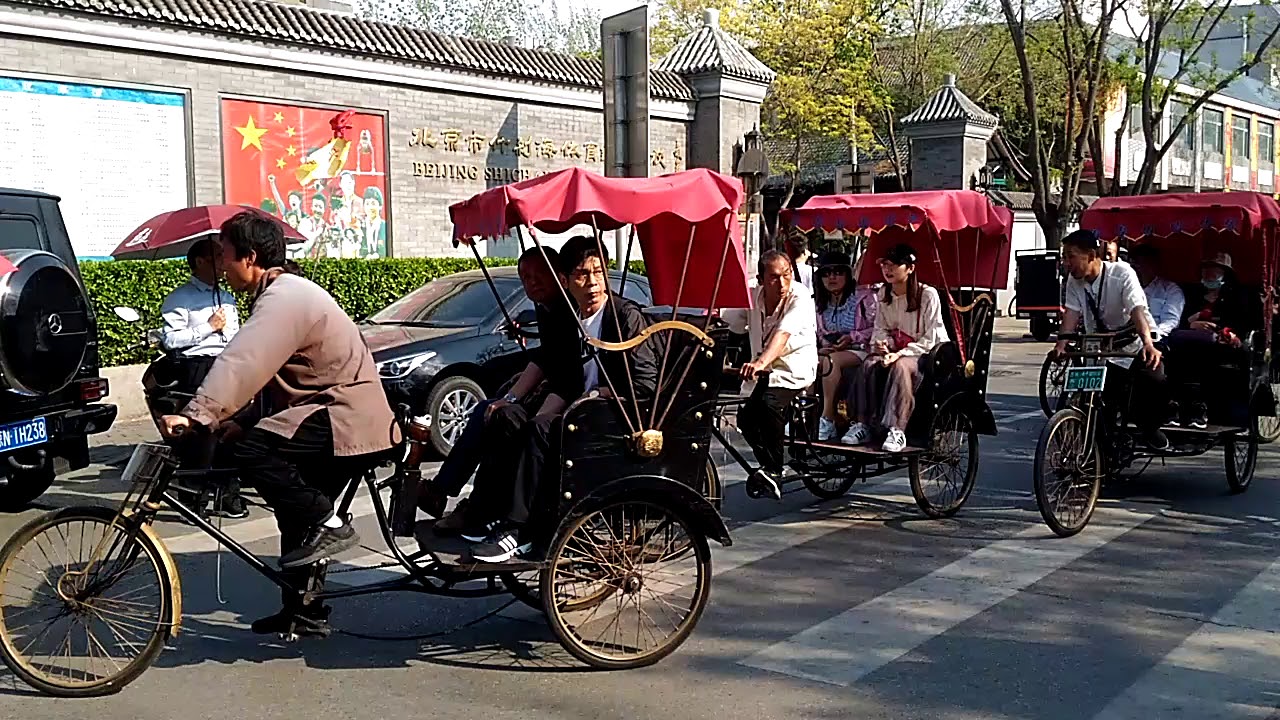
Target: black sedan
x=445, y=346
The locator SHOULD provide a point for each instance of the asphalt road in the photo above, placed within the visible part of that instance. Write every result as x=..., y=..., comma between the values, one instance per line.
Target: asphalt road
x=1165, y=607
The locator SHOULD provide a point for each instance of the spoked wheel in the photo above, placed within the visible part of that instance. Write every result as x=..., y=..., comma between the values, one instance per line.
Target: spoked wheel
x=654, y=588
x=943, y=478
x=84, y=603
x=525, y=587
x=1053, y=377
x=586, y=592
x=710, y=486
x=1068, y=474
x=1241, y=453
x=1269, y=427
x=827, y=488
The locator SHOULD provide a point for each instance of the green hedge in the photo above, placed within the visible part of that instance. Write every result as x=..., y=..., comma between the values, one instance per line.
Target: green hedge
x=361, y=287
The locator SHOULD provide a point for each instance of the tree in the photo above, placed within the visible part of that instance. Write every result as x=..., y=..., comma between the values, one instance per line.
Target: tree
x=673, y=20
x=532, y=23
x=1081, y=30
x=1173, y=50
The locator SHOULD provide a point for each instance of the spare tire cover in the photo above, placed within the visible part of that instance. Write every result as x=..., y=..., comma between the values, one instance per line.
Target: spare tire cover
x=44, y=323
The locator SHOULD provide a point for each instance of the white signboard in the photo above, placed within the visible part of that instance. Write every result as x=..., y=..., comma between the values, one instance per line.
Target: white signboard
x=116, y=157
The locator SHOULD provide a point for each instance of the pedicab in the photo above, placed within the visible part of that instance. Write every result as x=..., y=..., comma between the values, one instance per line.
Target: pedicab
x=1089, y=440
x=90, y=596
x=963, y=241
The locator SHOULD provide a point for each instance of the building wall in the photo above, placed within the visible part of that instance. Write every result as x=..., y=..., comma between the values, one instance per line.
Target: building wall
x=424, y=181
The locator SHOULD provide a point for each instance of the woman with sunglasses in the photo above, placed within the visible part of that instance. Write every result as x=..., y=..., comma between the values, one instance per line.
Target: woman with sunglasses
x=846, y=316
x=908, y=325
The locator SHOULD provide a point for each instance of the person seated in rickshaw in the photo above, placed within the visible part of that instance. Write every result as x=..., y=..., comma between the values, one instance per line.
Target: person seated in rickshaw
x=328, y=416
x=1214, y=323
x=1165, y=300
x=506, y=500
x=846, y=318
x=783, y=330
x=1107, y=297
x=554, y=363
x=908, y=325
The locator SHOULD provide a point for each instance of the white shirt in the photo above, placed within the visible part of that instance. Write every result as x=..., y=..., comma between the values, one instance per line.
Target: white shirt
x=186, y=312
x=797, y=367
x=591, y=368
x=1117, y=293
x=804, y=272
x=1165, y=302
x=925, y=325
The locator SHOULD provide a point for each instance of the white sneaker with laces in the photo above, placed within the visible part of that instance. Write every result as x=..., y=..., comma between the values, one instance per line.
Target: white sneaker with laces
x=896, y=442
x=858, y=434
x=826, y=430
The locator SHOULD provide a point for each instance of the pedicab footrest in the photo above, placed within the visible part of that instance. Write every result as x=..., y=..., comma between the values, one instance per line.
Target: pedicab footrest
x=866, y=450
x=455, y=553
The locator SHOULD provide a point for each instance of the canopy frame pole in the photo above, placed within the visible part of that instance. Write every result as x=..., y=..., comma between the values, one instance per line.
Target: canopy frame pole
x=951, y=302
x=626, y=262
x=582, y=328
x=492, y=287
x=1268, y=282
x=617, y=326
x=711, y=301
x=675, y=311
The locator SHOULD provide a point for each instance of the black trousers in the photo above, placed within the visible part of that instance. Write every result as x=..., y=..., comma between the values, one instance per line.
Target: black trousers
x=299, y=477
x=1202, y=370
x=507, y=483
x=1146, y=390
x=762, y=420
x=189, y=372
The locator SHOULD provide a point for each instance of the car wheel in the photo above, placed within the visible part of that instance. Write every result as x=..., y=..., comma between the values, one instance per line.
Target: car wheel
x=450, y=403
x=21, y=487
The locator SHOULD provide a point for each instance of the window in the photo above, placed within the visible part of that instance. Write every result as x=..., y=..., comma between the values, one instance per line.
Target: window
x=1211, y=137
x=1241, y=147
x=635, y=291
x=1266, y=143
x=449, y=302
x=19, y=233
x=1187, y=135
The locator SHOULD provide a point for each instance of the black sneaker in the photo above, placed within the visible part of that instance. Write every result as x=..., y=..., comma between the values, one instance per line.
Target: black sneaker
x=1175, y=415
x=1156, y=439
x=312, y=620
x=232, y=507
x=479, y=533
x=323, y=542
x=456, y=523
x=500, y=546
x=763, y=483
x=1199, y=417
x=432, y=500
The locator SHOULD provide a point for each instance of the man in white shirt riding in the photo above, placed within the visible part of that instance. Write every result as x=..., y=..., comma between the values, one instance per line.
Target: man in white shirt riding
x=1108, y=297
x=1165, y=300
x=783, y=325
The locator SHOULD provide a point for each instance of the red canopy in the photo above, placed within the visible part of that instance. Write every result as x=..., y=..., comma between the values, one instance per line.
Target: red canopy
x=664, y=211
x=1188, y=227
x=960, y=237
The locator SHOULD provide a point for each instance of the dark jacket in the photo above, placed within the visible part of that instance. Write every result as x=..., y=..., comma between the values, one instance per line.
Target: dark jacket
x=1233, y=309
x=559, y=351
x=643, y=360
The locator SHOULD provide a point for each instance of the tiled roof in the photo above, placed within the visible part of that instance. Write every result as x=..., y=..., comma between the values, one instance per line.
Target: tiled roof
x=820, y=156
x=286, y=24
x=1021, y=201
x=950, y=105
x=711, y=48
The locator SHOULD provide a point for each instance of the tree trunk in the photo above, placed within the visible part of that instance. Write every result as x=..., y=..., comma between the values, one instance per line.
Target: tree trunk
x=904, y=180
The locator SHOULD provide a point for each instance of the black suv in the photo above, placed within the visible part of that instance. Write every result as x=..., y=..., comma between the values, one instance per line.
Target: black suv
x=49, y=380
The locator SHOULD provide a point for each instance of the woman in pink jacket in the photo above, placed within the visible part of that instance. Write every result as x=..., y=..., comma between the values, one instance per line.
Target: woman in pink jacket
x=846, y=318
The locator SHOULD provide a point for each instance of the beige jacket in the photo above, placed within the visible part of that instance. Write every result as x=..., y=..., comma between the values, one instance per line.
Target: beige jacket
x=302, y=350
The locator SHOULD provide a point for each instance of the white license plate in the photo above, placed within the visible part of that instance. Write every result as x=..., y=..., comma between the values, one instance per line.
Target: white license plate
x=24, y=434
x=1086, y=379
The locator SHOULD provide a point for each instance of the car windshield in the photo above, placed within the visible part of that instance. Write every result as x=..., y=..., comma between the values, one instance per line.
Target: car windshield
x=447, y=302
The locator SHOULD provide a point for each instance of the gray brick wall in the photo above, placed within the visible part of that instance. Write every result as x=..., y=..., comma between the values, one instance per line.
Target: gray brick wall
x=424, y=181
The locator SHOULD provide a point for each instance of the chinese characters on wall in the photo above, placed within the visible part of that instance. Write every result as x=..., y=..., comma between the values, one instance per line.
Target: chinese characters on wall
x=456, y=141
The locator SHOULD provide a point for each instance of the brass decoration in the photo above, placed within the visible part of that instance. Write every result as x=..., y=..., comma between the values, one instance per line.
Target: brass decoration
x=644, y=335
x=969, y=368
x=648, y=443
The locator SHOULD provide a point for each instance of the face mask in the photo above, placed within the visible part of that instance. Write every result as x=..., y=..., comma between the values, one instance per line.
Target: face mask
x=1212, y=284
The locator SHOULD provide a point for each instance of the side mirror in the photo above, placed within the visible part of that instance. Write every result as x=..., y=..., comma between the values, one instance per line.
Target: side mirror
x=127, y=314
x=526, y=318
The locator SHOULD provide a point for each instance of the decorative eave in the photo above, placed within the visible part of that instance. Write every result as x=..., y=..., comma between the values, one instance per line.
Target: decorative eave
x=711, y=49
x=950, y=105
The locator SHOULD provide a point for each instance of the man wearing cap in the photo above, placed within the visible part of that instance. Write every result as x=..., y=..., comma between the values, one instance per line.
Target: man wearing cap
x=1214, y=321
x=1106, y=297
x=1165, y=300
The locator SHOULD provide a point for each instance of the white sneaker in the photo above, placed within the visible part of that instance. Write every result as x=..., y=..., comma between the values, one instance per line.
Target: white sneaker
x=858, y=434
x=896, y=442
x=826, y=430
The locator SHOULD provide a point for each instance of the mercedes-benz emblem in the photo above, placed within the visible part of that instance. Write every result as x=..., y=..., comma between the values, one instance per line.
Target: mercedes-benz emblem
x=55, y=324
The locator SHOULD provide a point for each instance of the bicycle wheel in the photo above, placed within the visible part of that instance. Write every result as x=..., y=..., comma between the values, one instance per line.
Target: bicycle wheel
x=1068, y=475
x=654, y=599
x=1269, y=427
x=74, y=583
x=827, y=487
x=943, y=479
x=1241, y=455
x=1053, y=375
x=710, y=485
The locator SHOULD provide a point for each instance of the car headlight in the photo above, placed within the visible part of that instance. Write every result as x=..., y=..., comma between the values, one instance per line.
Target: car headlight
x=400, y=367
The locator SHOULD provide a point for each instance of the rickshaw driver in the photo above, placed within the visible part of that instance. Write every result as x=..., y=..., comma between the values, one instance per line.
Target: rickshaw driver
x=328, y=414
x=1108, y=295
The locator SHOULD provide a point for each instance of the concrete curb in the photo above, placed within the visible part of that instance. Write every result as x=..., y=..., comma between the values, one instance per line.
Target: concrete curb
x=126, y=392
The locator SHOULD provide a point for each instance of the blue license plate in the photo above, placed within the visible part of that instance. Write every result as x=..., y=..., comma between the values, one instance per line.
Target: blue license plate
x=1086, y=379
x=24, y=434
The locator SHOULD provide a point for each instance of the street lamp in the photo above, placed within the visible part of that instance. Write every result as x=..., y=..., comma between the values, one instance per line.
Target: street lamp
x=752, y=167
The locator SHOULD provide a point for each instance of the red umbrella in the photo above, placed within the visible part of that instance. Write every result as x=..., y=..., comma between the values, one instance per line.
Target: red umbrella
x=171, y=234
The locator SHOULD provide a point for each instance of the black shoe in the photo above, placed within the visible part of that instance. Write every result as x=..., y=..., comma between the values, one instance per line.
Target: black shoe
x=479, y=533
x=321, y=543
x=763, y=483
x=432, y=500
x=1156, y=439
x=312, y=621
x=232, y=507
x=1199, y=418
x=1175, y=415
x=457, y=522
x=501, y=545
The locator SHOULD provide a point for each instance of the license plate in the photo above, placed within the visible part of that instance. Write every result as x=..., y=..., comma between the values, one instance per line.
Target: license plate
x=24, y=434
x=1086, y=379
